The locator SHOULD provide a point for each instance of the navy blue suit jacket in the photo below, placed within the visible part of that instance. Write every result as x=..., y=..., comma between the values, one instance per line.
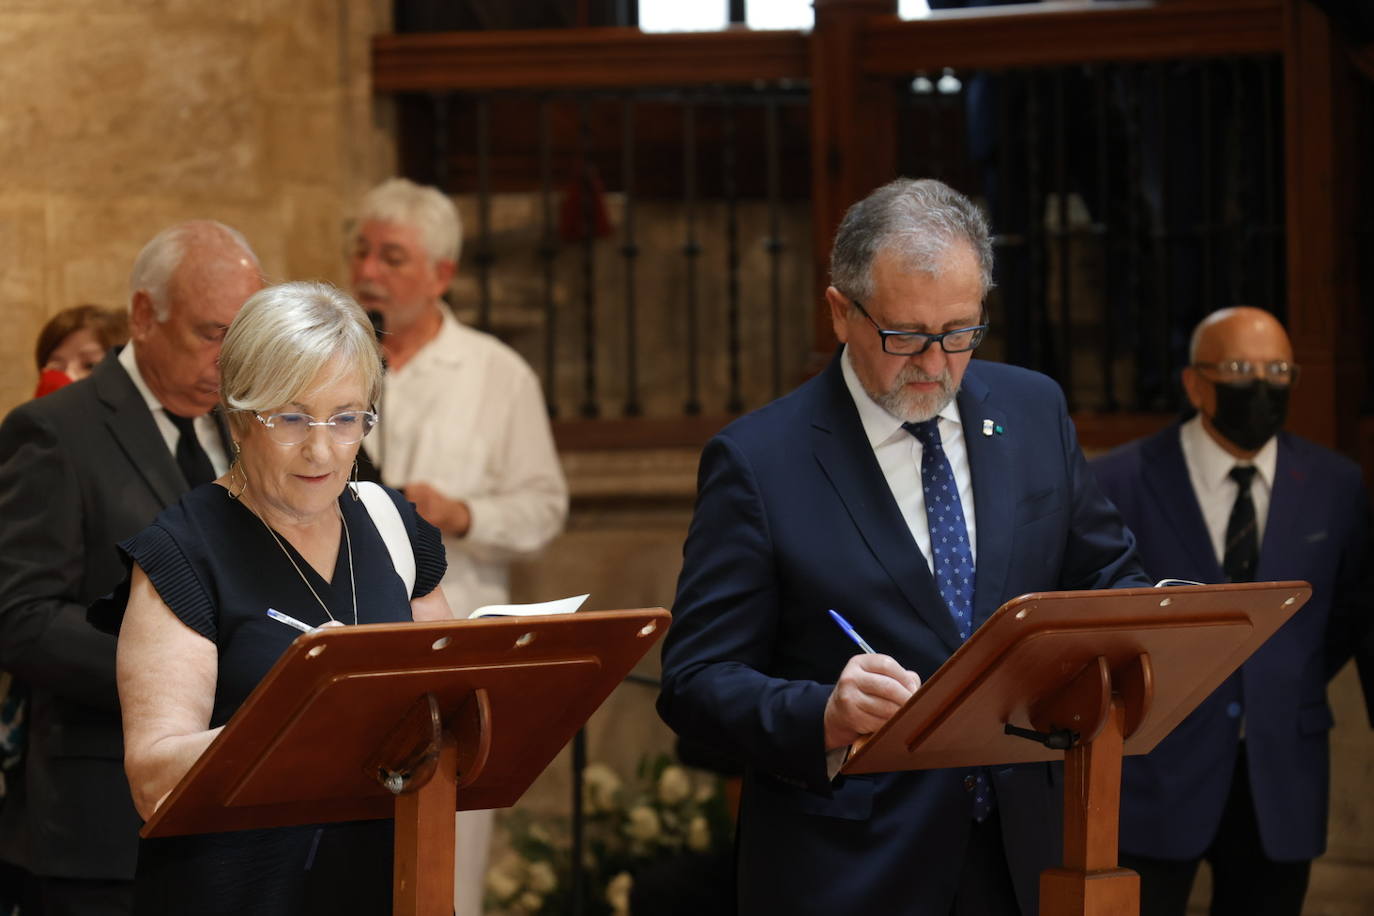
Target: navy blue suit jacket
x=1172, y=799
x=794, y=517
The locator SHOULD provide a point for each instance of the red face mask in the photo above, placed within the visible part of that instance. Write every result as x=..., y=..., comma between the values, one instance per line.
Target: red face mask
x=49, y=381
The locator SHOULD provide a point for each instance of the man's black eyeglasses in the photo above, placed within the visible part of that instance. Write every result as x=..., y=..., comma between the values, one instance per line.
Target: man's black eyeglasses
x=912, y=343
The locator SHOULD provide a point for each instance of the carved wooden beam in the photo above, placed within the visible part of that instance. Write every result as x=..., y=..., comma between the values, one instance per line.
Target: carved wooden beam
x=584, y=59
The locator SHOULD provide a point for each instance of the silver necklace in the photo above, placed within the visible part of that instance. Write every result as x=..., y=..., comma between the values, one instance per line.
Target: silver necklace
x=348, y=539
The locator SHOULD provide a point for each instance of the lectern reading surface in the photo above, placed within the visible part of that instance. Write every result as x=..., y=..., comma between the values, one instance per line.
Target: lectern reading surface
x=412, y=721
x=1092, y=676
x=1194, y=636
x=295, y=751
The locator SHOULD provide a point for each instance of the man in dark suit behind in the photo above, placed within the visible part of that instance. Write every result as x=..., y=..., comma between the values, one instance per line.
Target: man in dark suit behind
x=80, y=470
x=1226, y=496
x=915, y=492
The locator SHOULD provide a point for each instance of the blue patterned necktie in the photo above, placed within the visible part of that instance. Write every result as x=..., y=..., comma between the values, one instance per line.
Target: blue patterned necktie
x=952, y=559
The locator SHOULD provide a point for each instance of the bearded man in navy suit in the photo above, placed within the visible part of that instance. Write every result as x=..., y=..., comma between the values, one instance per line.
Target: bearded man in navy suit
x=1226, y=496
x=915, y=492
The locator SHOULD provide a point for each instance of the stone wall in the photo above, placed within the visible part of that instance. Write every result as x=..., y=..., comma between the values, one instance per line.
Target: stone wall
x=119, y=117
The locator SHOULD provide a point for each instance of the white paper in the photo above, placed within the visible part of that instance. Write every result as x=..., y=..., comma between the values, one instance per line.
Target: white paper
x=561, y=606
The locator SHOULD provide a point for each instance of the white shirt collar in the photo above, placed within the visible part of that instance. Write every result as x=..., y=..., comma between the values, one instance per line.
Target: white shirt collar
x=879, y=425
x=445, y=348
x=130, y=364
x=1214, y=463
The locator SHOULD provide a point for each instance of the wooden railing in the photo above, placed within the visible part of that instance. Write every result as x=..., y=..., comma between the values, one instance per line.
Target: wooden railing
x=850, y=60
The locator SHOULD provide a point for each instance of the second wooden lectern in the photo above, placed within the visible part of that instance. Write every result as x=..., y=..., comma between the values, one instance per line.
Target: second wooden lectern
x=409, y=720
x=1088, y=676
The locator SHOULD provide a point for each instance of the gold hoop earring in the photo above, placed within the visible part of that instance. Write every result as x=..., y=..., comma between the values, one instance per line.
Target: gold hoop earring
x=353, y=484
x=237, y=466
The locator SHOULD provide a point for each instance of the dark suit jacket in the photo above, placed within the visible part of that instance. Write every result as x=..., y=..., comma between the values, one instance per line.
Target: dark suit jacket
x=1172, y=799
x=80, y=469
x=794, y=517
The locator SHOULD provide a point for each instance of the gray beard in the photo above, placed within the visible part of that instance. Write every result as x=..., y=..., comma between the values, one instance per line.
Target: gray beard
x=915, y=408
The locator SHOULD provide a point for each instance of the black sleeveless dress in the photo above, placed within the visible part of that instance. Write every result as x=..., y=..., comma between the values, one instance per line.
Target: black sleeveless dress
x=218, y=568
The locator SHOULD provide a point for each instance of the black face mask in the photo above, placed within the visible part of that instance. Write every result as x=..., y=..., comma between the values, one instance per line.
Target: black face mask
x=1249, y=415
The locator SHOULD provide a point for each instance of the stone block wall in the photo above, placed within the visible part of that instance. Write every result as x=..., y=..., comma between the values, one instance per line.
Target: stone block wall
x=120, y=117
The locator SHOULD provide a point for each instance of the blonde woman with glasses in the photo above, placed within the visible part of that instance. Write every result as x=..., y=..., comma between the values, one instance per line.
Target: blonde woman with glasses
x=225, y=579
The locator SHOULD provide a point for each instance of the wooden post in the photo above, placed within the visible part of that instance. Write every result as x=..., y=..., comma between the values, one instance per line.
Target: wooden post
x=1090, y=882
x=1323, y=318
x=853, y=136
x=425, y=841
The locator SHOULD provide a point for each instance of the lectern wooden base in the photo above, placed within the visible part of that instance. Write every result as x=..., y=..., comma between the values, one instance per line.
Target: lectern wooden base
x=423, y=868
x=424, y=763
x=1111, y=892
x=1090, y=881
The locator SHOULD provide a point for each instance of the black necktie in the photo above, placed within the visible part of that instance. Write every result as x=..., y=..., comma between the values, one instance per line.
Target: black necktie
x=1242, y=532
x=191, y=458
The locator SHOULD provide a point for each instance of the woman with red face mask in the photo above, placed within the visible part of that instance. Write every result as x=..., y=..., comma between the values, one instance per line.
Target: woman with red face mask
x=73, y=341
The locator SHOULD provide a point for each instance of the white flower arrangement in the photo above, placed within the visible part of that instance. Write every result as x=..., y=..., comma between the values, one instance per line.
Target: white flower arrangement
x=669, y=811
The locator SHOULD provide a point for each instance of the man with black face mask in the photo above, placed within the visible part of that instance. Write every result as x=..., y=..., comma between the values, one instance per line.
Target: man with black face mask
x=1227, y=497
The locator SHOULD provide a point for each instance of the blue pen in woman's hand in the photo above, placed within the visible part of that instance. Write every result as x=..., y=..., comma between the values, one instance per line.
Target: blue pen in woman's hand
x=851, y=632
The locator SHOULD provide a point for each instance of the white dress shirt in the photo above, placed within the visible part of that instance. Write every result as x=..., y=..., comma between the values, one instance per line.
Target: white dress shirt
x=899, y=455
x=1209, y=469
x=466, y=415
x=207, y=429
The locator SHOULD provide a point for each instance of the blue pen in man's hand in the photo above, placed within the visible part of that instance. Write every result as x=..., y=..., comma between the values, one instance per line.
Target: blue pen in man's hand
x=851, y=632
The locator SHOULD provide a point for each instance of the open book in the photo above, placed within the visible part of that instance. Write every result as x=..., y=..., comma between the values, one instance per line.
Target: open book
x=561, y=606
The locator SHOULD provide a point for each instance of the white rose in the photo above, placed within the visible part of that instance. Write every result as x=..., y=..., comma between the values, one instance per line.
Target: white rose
x=600, y=784
x=674, y=785
x=618, y=893
x=643, y=825
x=502, y=884
x=542, y=878
x=699, y=835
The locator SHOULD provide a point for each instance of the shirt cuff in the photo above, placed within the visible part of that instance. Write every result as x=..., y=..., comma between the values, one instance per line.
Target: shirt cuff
x=834, y=760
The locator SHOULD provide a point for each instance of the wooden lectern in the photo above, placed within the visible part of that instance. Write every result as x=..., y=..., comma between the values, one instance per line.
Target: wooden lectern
x=411, y=720
x=1090, y=676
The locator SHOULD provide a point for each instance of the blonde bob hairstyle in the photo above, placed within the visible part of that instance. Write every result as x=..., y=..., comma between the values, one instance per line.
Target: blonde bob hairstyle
x=285, y=337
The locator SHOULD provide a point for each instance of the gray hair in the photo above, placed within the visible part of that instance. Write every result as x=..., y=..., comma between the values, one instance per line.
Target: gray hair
x=285, y=336
x=160, y=258
x=919, y=220
x=426, y=210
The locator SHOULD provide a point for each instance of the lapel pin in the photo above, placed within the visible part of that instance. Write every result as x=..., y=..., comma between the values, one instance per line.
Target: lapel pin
x=999, y=429
x=987, y=428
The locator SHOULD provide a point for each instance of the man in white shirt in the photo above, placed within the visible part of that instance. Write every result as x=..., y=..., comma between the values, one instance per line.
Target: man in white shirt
x=1226, y=496
x=464, y=431
x=80, y=470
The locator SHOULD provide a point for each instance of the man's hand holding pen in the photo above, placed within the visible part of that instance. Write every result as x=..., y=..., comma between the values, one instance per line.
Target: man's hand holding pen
x=870, y=689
